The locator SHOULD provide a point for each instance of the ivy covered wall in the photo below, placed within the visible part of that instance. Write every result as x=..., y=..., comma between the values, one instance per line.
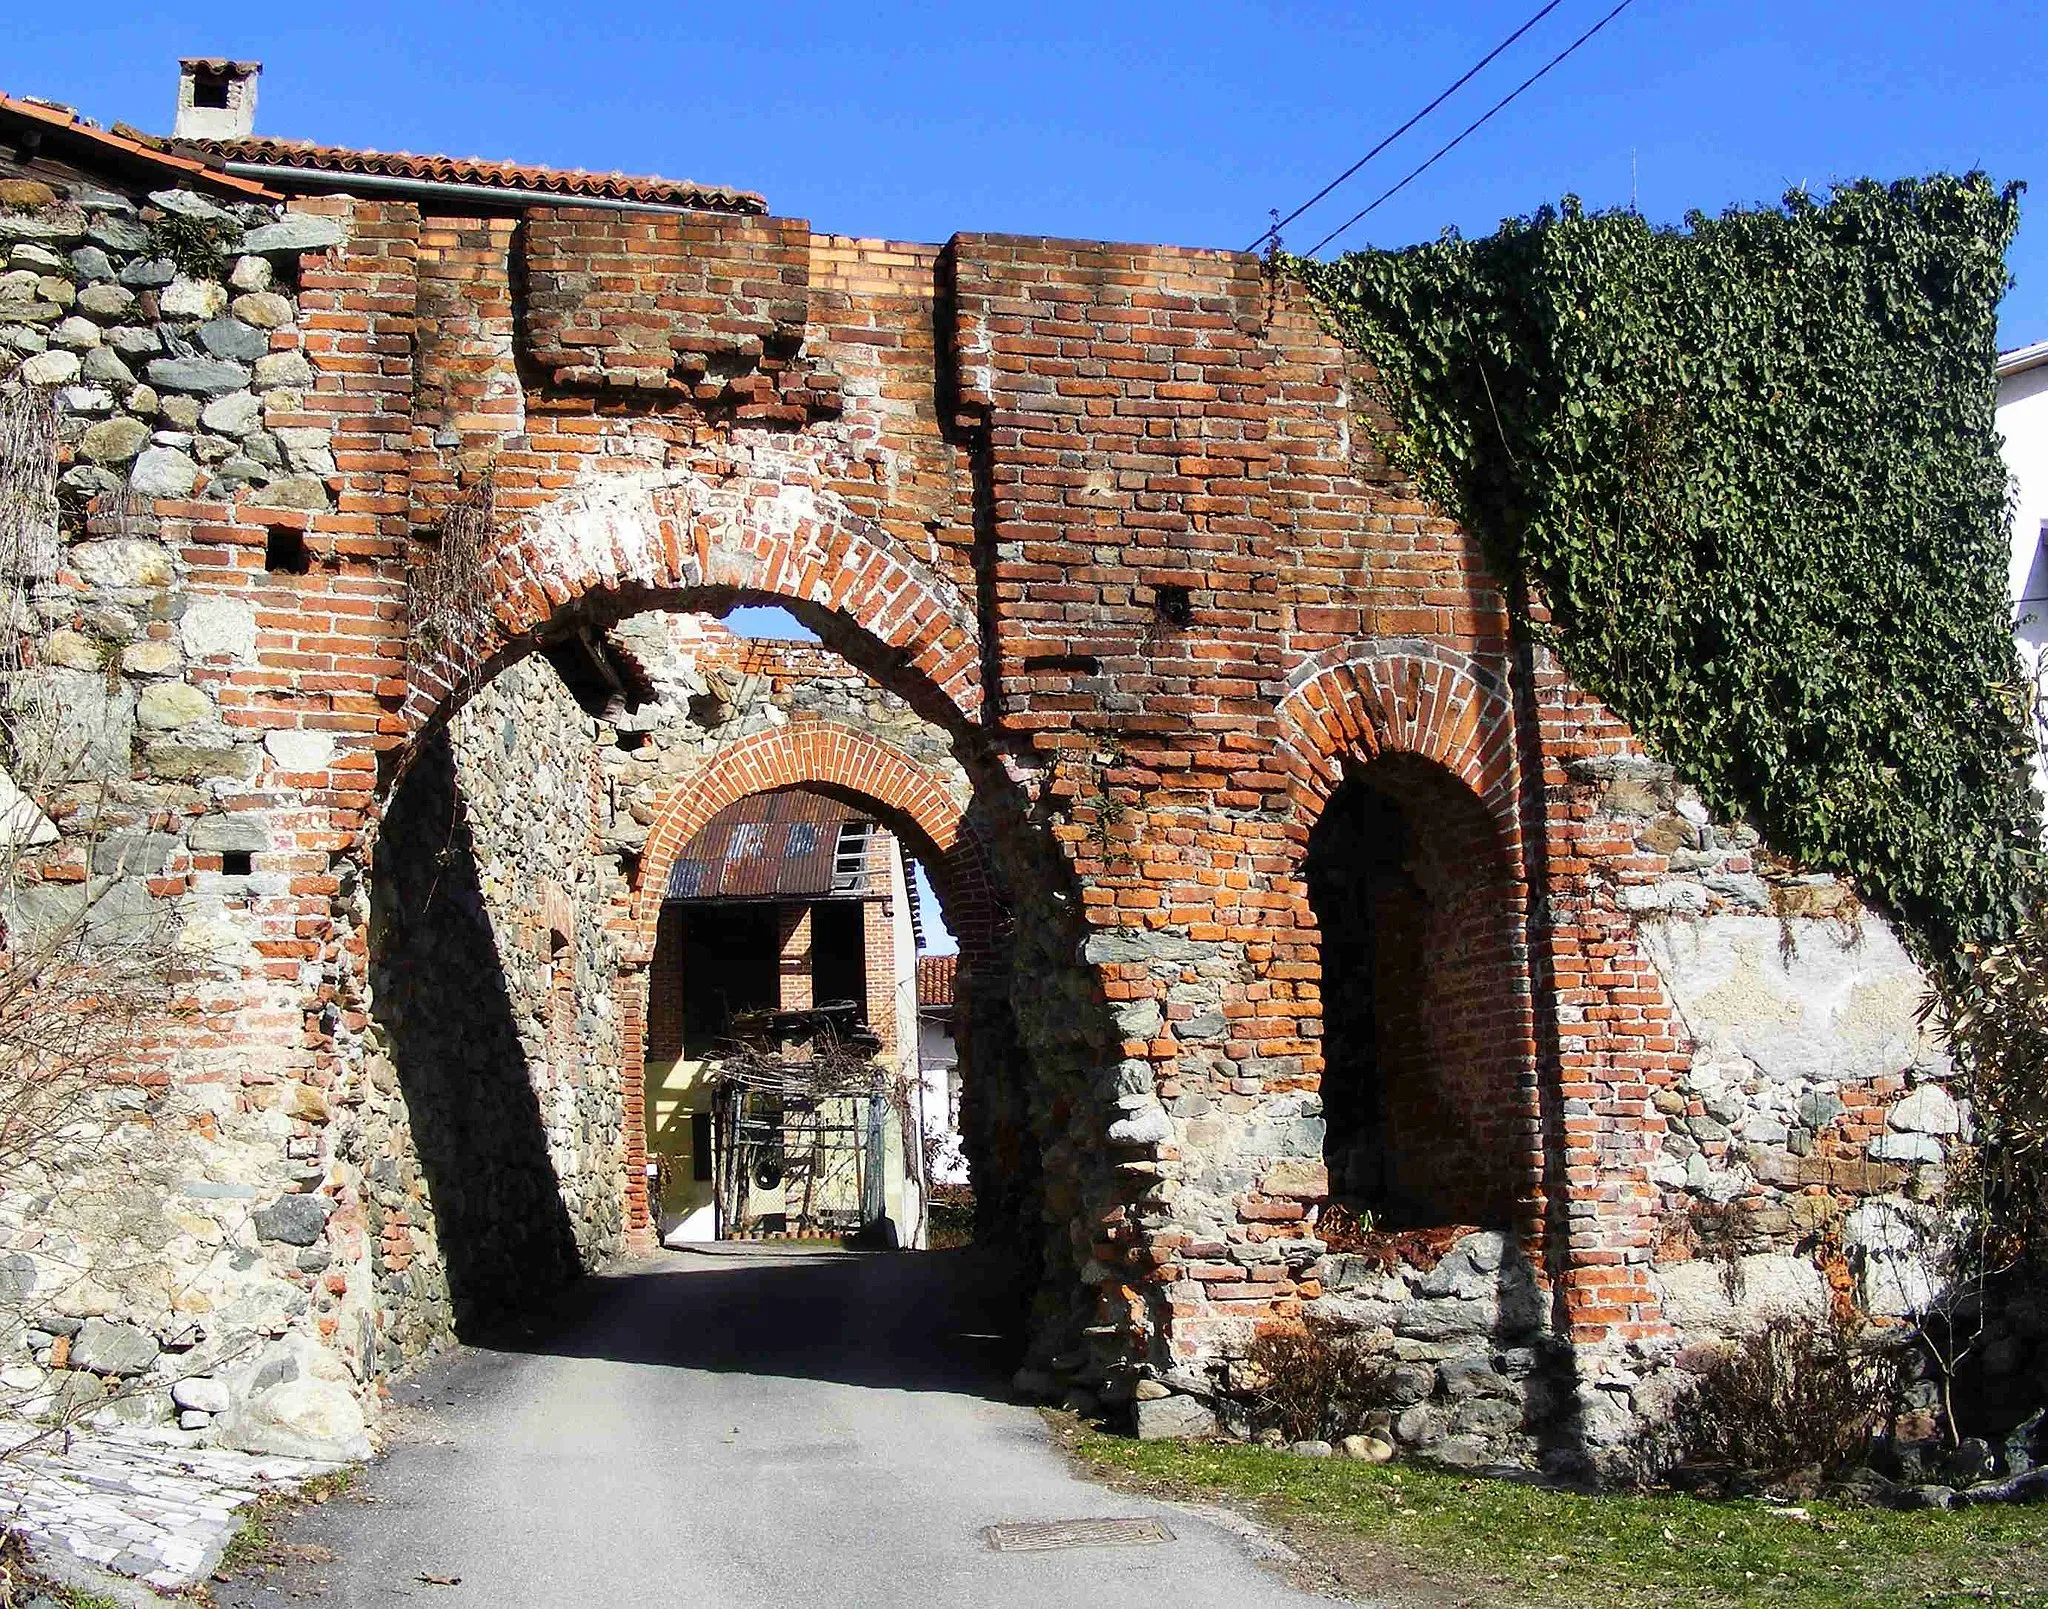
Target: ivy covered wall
x=1749, y=471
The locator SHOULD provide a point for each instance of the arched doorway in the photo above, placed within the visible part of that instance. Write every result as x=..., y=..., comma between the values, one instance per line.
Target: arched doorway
x=517, y=982
x=1424, y=1089
x=852, y=776
x=623, y=544
x=785, y=1090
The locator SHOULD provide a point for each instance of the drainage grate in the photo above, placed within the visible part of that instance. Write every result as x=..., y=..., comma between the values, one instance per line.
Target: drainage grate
x=1037, y=1536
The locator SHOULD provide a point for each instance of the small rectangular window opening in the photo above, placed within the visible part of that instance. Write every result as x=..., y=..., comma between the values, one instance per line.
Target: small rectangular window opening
x=285, y=553
x=700, y=1146
x=236, y=863
x=211, y=92
x=850, y=857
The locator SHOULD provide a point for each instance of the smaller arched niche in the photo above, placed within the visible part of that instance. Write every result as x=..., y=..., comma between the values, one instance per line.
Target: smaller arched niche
x=1424, y=998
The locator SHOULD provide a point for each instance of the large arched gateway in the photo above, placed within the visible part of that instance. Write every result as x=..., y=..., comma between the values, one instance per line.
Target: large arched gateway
x=1279, y=849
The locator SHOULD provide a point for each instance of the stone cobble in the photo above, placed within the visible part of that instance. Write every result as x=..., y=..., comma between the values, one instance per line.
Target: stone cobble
x=141, y=1503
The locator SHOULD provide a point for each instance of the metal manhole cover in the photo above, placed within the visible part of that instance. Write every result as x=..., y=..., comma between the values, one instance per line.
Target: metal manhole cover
x=1036, y=1536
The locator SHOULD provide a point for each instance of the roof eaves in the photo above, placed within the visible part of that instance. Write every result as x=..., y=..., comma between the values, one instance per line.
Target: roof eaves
x=336, y=162
x=189, y=169
x=2022, y=358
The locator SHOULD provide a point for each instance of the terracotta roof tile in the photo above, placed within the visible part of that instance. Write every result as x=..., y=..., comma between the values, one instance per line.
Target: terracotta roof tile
x=935, y=980
x=122, y=147
x=569, y=183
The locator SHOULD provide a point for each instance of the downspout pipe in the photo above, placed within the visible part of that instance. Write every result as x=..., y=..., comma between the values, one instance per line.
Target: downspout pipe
x=290, y=178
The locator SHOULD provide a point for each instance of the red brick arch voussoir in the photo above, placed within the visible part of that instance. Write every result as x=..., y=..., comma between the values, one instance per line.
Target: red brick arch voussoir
x=656, y=538
x=820, y=754
x=1357, y=701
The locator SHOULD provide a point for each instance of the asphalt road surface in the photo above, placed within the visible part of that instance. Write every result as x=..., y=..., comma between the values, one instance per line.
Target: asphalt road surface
x=749, y=1432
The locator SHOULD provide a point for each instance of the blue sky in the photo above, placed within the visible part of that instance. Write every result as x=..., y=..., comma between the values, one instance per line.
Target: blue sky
x=1180, y=123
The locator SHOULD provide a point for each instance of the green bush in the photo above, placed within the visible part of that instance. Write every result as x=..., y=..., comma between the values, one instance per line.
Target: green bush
x=1992, y=1013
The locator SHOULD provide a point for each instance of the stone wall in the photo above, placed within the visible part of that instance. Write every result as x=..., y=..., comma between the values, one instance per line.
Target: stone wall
x=196, y=1256
x=493, y=1007
x=170, y=321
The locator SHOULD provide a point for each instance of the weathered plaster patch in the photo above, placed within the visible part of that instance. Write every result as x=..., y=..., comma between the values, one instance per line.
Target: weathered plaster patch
x=1825, y=1010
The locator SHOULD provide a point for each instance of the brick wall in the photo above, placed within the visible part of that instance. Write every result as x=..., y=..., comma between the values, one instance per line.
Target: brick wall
x=794, y=940
x=712, y=307
x=1102, y=547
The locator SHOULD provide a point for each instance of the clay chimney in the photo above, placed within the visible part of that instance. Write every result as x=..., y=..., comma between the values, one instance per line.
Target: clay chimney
x=216, y=98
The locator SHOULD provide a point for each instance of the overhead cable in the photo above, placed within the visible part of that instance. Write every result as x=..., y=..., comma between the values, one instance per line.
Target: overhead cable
x=1471, y=128
x=1282, y=223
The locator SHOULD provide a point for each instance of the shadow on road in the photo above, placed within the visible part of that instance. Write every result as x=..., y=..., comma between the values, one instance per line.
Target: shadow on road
x=907, y=1321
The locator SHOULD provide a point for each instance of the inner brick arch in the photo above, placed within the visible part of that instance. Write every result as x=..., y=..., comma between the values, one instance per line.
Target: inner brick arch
x=1404, y=776
x=622, y=541
x=826, y=755
x=915, y=803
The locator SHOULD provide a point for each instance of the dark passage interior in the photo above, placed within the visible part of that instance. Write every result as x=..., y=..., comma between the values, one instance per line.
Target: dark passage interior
x=1424, y=1087
x=730, y=965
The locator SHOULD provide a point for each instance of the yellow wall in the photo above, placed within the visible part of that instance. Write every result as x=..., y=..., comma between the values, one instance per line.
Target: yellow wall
x=673, y=1091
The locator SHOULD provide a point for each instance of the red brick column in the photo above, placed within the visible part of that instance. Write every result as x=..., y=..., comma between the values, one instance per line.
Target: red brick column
x=1618, y=1038
x=793, y=925
x=878, y=924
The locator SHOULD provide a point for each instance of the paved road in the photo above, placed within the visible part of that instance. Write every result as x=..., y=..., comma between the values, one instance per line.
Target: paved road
x=747, y=1433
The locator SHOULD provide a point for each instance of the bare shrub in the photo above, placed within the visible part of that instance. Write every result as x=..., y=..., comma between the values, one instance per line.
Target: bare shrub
x=1310, y=1384
x=1800, y=1393
x=448, y=601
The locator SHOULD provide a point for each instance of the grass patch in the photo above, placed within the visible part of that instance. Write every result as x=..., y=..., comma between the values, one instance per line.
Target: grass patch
x=250, y=1541
x=255, y=1543
x=1424, y=1536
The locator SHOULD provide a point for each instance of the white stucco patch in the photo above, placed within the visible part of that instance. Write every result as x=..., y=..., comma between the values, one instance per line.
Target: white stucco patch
x=219, y=627
x=22, y=822
x=605, y=523
x=1828, y=1010
x=1766, y=1285
x=1902, y=1245
x=301, y=751
x=214, y=937
x=1930, y=1109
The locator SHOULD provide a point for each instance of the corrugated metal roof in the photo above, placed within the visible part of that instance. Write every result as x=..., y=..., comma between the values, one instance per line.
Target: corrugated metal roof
x=782, y=845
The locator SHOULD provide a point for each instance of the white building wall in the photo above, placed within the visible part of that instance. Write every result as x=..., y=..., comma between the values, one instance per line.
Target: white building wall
x=907, y=1191
x=2023, y=424
x=939, y=1061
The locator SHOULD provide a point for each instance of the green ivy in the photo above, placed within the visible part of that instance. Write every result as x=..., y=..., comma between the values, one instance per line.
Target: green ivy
x=1751, y=467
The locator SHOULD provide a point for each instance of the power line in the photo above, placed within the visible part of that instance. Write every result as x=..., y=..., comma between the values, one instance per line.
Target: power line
x=1471, y=128
x=1282, y=223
